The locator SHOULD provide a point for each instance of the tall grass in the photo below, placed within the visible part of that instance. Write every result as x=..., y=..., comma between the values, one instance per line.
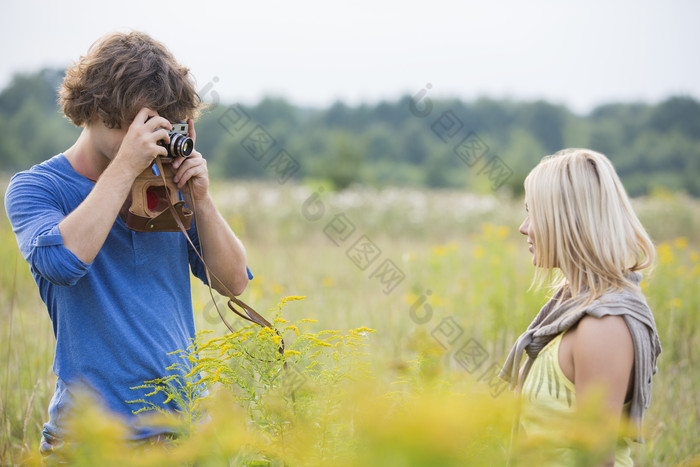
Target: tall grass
x=466, y=273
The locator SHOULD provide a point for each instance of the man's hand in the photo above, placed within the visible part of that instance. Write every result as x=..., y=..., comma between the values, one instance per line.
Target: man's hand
x=140, y=144
x=193, y=168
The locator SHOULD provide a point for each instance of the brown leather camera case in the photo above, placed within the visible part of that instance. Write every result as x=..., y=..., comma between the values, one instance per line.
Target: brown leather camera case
x=149, y=210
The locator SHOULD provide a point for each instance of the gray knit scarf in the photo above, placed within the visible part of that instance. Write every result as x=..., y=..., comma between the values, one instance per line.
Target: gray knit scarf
x=555, y=318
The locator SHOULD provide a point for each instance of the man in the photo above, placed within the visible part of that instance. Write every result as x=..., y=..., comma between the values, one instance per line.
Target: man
x=119, y=300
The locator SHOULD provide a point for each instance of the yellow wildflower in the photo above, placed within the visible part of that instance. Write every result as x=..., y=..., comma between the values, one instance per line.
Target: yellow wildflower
x=224, y=348
x=245, y=335
x=410, y=298
x=318, y=341
x=665, y=253
x=439, y=250
x=292, y=298
x=681, y=243
x=487, y=229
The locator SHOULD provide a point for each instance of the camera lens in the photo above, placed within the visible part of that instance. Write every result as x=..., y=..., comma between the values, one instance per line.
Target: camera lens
x=180, y=145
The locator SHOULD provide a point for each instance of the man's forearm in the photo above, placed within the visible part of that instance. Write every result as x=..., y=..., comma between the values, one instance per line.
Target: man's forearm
x=223, y=251
x=85, y=230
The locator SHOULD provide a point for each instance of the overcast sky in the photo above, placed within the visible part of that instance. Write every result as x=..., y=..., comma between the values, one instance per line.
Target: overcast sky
x=315, y=52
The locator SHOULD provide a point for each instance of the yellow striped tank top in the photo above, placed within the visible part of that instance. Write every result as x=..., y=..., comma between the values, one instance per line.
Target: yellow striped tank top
x=548, y=395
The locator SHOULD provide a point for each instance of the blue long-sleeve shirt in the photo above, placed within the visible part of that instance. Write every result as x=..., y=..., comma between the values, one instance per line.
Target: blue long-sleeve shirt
x=114, y=319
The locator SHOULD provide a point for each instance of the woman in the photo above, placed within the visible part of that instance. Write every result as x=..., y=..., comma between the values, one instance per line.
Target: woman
x=597, y=330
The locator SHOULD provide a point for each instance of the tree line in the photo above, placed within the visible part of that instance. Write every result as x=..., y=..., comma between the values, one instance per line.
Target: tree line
x=411, y=141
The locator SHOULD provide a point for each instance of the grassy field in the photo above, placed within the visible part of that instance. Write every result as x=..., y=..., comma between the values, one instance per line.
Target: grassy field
x=433, y=274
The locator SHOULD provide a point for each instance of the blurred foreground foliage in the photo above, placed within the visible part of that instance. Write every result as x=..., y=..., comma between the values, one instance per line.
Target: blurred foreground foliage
x=318, y=404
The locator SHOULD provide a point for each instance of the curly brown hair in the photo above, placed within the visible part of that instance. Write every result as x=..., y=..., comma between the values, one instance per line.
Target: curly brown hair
x=122, y=73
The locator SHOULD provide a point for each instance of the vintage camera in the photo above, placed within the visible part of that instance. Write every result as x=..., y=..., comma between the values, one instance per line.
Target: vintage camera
x=153, y=193
x=180, y=144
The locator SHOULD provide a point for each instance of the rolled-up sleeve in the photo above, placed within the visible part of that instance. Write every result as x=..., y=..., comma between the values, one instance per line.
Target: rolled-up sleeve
x=53, y=261
x=35, y=212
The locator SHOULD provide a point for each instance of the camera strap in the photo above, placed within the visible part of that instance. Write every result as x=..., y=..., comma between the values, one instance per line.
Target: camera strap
x=234, y=303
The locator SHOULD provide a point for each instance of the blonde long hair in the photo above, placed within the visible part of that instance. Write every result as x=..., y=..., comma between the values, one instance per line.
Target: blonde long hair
x=584, y=225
